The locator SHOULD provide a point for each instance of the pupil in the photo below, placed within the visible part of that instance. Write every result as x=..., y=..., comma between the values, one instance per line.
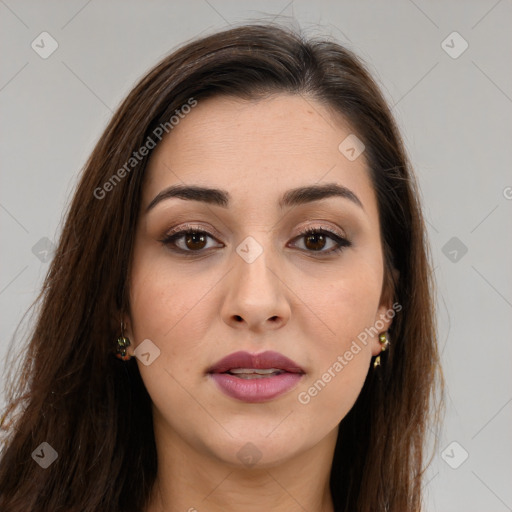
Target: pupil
x=195, y=238
x=313, y=236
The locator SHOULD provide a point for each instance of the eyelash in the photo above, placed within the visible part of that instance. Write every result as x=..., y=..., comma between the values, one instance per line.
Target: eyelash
x=341, y=242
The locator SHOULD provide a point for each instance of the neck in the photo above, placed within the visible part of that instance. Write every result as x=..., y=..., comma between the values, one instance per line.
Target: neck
x=188, y=481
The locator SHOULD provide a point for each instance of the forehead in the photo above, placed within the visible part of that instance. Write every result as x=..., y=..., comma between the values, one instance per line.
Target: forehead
x=257, y=149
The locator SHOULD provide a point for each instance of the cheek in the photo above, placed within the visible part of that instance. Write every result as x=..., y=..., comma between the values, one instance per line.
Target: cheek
x=345, y=301
x=163, y=298
x=166, y=308
x=171, y=305
x=347, y=308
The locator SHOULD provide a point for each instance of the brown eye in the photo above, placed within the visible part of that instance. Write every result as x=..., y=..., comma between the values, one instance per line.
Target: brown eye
x=187, y=240
x=316, y=239
x=195, y=240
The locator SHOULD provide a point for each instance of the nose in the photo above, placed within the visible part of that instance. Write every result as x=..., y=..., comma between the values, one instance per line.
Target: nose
x=257, y=298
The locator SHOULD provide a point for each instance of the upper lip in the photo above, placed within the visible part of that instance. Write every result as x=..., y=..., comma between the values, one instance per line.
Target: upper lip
x=264, y=360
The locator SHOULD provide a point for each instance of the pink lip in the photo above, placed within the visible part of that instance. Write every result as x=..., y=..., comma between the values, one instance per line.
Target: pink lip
x=257, y=389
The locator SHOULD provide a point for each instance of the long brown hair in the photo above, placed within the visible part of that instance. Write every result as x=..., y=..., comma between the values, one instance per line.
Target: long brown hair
x=94, y=410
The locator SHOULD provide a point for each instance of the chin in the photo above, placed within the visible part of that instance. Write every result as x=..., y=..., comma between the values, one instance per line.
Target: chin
x=255, y=447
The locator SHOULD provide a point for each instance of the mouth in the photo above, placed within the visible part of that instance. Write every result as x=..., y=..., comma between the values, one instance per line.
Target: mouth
x=265, y=363
x=254, y=373
x=255, y=377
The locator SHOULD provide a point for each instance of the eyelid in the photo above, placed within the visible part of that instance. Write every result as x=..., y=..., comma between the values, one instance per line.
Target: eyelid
x=333, y=229
x=215, y=234
x=191, y=227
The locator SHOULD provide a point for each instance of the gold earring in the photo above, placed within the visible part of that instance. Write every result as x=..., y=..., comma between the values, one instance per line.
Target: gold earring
x=122, y=343
x=384, y=345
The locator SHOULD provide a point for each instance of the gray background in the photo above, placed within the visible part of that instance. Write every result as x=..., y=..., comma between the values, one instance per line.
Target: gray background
x=455, y=116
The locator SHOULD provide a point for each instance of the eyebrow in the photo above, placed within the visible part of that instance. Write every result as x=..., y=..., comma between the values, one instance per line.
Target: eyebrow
x=219, y=197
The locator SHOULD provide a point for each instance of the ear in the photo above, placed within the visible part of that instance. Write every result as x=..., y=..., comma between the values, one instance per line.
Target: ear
x=128, y=333
x=127, y=328
x=387, y=309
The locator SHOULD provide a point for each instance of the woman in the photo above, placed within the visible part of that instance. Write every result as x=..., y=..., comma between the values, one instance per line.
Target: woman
x=239, y=313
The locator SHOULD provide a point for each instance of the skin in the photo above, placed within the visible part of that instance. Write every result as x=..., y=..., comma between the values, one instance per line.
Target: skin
x=198, y=308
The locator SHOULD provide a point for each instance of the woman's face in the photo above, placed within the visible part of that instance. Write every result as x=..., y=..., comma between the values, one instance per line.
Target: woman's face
x=249, y=280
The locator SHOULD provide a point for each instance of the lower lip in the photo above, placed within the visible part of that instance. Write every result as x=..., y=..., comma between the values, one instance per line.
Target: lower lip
x=258, y=389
